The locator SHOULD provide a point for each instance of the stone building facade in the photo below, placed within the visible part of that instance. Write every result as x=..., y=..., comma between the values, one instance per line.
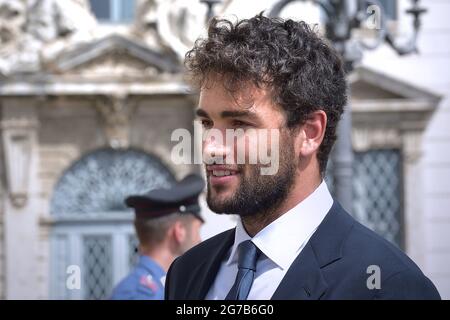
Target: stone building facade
x=88, y=107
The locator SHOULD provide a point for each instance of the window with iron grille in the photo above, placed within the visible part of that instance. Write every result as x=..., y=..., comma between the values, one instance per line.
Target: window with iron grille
x=377, y=192
x=97, y=261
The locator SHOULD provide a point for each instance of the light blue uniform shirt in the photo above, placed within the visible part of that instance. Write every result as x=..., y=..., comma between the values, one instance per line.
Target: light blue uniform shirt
x=143, y=283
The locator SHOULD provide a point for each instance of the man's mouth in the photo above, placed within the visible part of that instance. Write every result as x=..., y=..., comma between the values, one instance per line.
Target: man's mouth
x=220, y=175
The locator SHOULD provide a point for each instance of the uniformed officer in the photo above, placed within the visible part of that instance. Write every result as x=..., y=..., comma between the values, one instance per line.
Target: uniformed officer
x=167, y=224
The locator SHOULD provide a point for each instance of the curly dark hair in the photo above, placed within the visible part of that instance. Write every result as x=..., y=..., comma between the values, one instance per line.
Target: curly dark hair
x=303, y=71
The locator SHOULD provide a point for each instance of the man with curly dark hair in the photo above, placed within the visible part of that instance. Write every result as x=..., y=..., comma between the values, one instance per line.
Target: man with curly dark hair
x=292, y=240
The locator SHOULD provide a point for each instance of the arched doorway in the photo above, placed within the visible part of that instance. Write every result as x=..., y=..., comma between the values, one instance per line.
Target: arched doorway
x=93, y=229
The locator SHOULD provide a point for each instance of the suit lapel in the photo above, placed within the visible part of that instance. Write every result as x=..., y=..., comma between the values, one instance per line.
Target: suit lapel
x=207, y=272
x=304, y=279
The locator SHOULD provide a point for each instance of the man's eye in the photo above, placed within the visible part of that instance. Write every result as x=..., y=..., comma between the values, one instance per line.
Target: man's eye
x=240, y=124
x=206, y=123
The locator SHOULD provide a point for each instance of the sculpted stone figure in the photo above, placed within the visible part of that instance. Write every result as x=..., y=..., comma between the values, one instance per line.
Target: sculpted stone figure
x=34, y=31
x=173, y=24
x=13, y=19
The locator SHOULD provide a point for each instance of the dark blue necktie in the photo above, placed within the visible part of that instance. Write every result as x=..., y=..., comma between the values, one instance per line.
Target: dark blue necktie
x=247, y=257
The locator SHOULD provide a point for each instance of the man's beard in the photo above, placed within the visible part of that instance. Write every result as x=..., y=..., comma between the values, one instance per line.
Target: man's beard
x=259, y=194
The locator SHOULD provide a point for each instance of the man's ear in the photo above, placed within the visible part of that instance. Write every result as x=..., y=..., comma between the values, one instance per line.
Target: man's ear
x=312, y=133
x=179, y=231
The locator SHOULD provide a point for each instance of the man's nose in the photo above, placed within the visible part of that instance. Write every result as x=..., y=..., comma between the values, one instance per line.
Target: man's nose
x=215, y=148
x=214, y=152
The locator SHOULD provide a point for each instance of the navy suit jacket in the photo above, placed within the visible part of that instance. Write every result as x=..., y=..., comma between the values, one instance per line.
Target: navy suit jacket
x=333, y=265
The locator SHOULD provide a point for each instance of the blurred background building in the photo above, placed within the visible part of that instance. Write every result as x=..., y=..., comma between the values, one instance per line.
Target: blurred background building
x=91, y=91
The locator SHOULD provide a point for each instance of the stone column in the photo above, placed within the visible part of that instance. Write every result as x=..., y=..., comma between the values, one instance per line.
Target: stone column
x=19, y=132
x=413, y=196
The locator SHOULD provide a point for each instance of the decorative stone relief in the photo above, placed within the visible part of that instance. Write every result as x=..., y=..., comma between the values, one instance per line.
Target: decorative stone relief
x=372, y=138
x=412, y=146
x=115, y=112
x=12, y=21
x=59, y=25
x=176, y=24
x=18, y=51
x=32, y=31
x=116, y=64
x=18, y=141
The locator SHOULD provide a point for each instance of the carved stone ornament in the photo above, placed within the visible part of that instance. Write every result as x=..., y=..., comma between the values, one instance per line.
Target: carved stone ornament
x=32, y=31
x=18, y=139
x=177, y=23
x=115, y=112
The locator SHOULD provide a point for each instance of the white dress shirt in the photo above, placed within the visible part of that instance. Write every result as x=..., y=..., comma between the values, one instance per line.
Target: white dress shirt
x=280, y=243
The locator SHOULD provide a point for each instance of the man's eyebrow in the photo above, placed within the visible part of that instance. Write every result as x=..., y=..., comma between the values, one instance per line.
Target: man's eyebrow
x=201, y=113
x=238, y=113
x=228, y=114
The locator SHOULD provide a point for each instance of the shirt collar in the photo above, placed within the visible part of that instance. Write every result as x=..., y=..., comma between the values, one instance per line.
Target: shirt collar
x=282, y=239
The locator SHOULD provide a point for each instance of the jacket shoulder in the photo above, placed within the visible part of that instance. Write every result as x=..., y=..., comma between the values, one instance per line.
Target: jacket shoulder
x=365, y=253
x=369, y=246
